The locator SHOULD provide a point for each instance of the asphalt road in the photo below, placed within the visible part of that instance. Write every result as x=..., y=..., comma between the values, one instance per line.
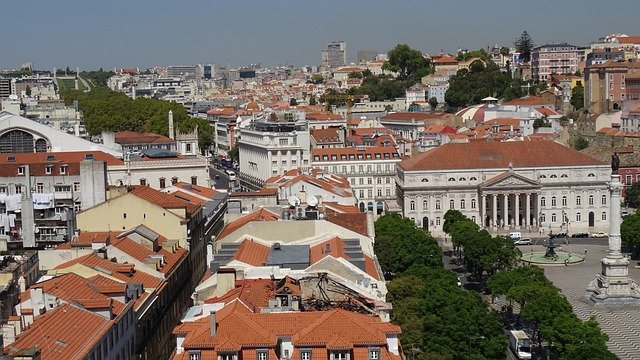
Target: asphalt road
x=222, y=182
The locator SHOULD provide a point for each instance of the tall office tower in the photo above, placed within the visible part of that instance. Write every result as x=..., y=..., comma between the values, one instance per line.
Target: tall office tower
x=365, y=56
x=335, y=55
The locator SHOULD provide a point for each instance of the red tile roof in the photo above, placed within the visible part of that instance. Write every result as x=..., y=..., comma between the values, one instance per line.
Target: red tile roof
x=67, y=332
x=167, y=201
x=254, y=294
x=133, y=137
x=417, y=116
x=257, y=215
x=371, y=151
x=353, y=221
x=335, y=328
x=325, y=136
x=38, y=162
x=252, y=253
x=445, y=59
x=497, y=155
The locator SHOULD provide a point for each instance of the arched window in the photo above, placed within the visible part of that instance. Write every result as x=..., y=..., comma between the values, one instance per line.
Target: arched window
x=590, y=200
x=473, y=218
x=553, y=201
x=578, y=200
x=425, y=180
x=564, y=176
x=462, y=179
x=438, y=221
x=412, y=205
x=591, y=175
x=543, y=176
x=425, y=205
x=452, y=204
x=473, y=203
x=578, y=217
x=437, y=204
x=604, y=199
x=543, y=201
x=564, y=201
x=452, y=179
x=462, y=204
x=543, y=218
x=553, y=176
x=473, y=178
x=553, y=217
x=604, y=216
x=17, y=141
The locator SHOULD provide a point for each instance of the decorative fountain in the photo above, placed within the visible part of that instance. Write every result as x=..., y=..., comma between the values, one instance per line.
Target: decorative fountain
x=551, y=257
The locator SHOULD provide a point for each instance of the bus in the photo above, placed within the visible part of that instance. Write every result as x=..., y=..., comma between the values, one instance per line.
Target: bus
x=231, y=175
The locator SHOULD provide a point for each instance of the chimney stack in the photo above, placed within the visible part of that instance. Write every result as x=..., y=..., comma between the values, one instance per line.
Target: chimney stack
x=214, y=325
x=171, y=125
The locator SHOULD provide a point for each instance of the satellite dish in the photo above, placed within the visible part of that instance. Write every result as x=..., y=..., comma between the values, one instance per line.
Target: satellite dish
x=312, y=201
x=293, y=200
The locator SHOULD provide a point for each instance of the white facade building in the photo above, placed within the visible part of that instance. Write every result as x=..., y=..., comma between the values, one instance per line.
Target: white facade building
x=268, y=148
x=370, y=171
x=533, y=186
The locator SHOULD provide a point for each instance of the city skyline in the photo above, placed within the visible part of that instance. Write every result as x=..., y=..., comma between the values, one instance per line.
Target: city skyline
x=162, y=33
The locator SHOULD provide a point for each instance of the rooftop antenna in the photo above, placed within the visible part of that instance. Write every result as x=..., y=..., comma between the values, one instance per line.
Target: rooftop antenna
x=312, y=201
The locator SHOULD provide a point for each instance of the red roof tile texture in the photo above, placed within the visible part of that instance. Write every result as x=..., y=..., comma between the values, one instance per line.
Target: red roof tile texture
x=497, y=155
x=71, y=332
x=61, y=163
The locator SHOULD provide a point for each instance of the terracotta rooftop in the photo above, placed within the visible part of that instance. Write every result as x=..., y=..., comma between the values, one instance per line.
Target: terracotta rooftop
x=257, y=215
x=497, y=155
x=252, y=253
x=417, y=116
x=132, y=137
x=331, y=329
x=167, y=201
x=71, y=332
x=41, y=164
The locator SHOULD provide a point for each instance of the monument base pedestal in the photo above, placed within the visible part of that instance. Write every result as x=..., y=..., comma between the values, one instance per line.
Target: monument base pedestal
x=613, y=288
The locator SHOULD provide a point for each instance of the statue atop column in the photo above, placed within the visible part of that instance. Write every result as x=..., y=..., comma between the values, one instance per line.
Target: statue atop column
x=615, y=163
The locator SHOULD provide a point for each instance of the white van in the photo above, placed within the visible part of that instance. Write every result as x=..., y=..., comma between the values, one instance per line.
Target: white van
x=515, y=235
x=231, y=175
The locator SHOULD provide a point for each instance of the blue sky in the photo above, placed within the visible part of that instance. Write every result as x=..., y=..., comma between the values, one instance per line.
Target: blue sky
x=144, y=33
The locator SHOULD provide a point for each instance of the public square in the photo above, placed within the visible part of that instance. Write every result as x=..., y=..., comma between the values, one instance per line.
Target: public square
x=622, y=325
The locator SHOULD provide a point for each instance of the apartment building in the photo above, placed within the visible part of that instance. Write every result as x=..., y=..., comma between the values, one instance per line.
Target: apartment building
x=41, y=192
x=335, y=55
x=370, y=171
x=270, y=148
x=551, y=59
x=606, y=85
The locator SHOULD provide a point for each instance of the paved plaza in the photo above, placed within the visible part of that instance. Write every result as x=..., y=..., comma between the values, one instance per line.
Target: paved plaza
x=622, y=325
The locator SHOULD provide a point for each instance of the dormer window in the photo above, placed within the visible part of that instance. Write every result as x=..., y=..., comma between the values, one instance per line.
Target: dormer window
x=21, y=170
x=64, y=169
x=339, y=355
x=48, y=169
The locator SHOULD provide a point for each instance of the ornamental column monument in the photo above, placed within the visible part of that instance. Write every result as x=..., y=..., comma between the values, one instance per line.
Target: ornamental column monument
x=613, y=287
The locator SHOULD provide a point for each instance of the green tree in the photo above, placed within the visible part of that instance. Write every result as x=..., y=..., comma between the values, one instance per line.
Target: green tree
x=406, y=62
x=468, y=87
x=503, y=281
x=578, y=142
x=505, y=51
x=542, y=306
x=461, y=231
x=568, y=334
x=632, y=195
x=577, y=97
x=316, y=79
x=524, y=45
x=433, y=102
x=486, y=254
x=355, y=75
x=538, y=123
x=630, y=231
x=450, y=218
x=234, y=153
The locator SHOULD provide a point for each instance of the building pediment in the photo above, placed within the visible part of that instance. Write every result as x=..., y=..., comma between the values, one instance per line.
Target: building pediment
x=509, y=180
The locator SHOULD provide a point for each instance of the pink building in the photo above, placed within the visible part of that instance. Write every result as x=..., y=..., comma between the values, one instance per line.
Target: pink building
x=553, y=59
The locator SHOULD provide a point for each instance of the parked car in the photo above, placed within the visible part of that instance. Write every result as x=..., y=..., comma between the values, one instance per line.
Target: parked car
x=523, y=241
x=599, y=235
x=559, y=235
x=580, y=235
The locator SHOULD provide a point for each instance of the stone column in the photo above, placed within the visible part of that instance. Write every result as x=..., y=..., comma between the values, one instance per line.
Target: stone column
x=517, y=210
x=494, y=213
x=615, y=242
x=528, y=210
x=505, y=219
x=483, y=215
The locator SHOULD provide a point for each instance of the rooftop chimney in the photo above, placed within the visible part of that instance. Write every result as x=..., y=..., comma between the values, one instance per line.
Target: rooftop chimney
x=171, y=125
x=214, y=325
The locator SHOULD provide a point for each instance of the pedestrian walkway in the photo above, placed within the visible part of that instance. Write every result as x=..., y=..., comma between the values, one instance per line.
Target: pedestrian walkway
x=622, y=325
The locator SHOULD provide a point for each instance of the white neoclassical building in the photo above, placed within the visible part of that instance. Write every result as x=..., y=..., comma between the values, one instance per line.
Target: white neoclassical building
x=528, y=186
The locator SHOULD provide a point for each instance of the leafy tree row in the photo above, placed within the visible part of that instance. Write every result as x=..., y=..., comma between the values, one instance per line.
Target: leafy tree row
x=438, y=319
x=107, y=110
x=630, y=227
